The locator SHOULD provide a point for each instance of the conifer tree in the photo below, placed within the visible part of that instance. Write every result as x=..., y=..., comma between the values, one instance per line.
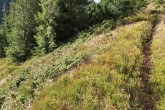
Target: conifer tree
x=93, y=13
x=3, y=31
x=21, y=28
x=58, y=21
x=120, y=8
x=3, y=42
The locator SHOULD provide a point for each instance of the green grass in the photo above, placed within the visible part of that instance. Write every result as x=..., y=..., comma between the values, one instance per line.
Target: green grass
x=7, y=66
x=38, y=71
x=158, y=71
x=134, y=18
x=110, y=81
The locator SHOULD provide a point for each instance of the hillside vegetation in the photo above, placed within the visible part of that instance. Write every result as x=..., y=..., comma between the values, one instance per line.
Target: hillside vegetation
x=117, y=63
x=35, y=28
x=106, y=81
x=158, y=71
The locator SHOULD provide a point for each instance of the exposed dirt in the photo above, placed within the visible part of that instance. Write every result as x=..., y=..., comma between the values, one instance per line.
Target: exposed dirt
x=4, y=80
x=146, y=96
x=159, y=26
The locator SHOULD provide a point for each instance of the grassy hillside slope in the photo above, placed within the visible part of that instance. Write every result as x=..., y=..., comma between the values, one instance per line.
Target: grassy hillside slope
x=38, y=71
x=106, y=82
x=99, y=68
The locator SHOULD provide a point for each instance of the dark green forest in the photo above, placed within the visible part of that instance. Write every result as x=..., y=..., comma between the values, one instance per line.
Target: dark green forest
x=34, y=28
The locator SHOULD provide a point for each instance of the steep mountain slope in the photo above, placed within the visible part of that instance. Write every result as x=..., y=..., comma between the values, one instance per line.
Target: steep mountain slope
x=41, y=70
x=100, y=68
x=109, y=81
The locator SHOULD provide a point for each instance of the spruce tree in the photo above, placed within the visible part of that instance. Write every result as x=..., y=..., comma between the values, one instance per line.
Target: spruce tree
x=3, y=42
x=3, y=32
x=94, y=13
x=58, y=21
x=21, y=28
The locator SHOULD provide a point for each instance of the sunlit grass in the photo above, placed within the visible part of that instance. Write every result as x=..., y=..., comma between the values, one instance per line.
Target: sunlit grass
x=6, y=67
x=158, y=70
x=105, y=82
x=107, y=73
